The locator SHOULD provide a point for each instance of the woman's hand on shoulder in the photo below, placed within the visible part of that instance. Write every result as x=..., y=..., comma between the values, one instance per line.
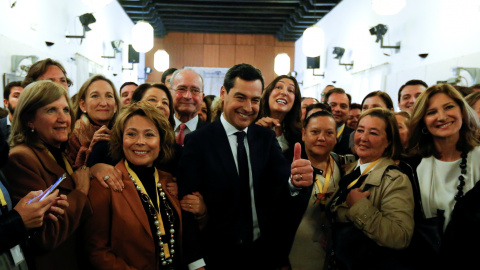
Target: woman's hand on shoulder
x=81, y=177
x=268, y=122
x=108, y=176
x=172, y=188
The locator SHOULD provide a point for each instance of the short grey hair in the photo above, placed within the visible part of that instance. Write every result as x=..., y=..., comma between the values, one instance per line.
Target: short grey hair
x=182, y=70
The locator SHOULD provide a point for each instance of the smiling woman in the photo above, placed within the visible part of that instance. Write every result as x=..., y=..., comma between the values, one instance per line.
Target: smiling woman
x=373, y=207
x=445, y=152
x=95, y=112
x=141, y=138
x=280, y=110
x=41, y=126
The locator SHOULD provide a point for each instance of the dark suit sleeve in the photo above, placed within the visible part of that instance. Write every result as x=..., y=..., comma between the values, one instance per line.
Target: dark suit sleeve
x=190, y=166
x=12, y=230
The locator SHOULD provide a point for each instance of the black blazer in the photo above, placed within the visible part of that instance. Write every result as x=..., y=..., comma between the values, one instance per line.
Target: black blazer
x=207, y=165
x=342, y=147
x=4, y=128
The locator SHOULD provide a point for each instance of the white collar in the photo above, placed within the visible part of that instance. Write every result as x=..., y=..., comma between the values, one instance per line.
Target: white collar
x=191, y=124
x=229, y=128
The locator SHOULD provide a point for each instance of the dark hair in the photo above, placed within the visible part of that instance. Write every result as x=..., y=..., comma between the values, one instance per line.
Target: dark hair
x=465, y=91
x=318, y=114
x=39, y=68
x=475, y=86
x=243, y=71
x=411, y=82
x=383, y=95
x=166, y=73
x=322, y=106
x=209, y=100
x=355, y=106
x=8, y=88
x=395, y=149
x=292, y=121
x=423, y=144
x=142, y=88
x=338, y=91
x=209, y=111
x=167, y=136
x=125, y=84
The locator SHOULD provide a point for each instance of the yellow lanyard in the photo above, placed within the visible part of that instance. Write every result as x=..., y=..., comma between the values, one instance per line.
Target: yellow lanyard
x=67, y=164
x=327, y=178
x=2, y=199
x=159, y=216
x=368, y=169
x=339, y=133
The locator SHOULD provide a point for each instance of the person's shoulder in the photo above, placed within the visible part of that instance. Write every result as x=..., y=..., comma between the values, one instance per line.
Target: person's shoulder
x=21, y=149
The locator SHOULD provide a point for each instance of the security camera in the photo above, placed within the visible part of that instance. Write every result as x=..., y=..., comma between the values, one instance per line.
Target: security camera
x=423, y=55
x=114, y=74
x=49, y=43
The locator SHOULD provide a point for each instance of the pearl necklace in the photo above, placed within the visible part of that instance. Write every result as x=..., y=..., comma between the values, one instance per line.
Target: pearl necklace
x=461, y=178
x=154, y=213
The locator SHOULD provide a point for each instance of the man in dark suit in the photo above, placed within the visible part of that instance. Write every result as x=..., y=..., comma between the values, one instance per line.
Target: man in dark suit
x=245, y=181
x=340, y=102
x=11, y=93
x=187, y=94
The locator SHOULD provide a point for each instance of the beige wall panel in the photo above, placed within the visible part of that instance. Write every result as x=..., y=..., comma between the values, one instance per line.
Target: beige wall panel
x=174, y=37
x=268, y=40
x=227, y=39
x=245, y=39
x=226, y=56
x=193, y=55
x=244, y=54
x=193, y=38
x=264, y=60
x=211, y=55
x=211, y=38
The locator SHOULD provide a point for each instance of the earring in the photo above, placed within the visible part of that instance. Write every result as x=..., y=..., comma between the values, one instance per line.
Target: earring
x=33, y=130
x=84, y=111
x=424, y=130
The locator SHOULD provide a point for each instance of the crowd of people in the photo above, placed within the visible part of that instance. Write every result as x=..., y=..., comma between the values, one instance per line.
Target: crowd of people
x=160, y=176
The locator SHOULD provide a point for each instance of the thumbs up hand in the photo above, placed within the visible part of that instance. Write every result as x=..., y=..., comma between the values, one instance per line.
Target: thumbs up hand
x=302, y=171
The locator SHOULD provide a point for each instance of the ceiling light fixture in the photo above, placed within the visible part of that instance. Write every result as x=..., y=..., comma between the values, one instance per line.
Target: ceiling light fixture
x=142, y=36
x=388, y=7
x=282, y=64
x=161, y=60
x=379, y=31
x=313, y=39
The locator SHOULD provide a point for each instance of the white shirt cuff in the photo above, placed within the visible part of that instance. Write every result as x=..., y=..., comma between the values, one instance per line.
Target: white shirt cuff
x=196, y=264
x=294, y=191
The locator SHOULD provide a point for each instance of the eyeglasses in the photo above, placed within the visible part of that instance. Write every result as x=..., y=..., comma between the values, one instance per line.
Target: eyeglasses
x=183, y=90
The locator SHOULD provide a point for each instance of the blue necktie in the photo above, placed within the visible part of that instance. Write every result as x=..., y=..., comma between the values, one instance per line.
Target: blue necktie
x=245, y=202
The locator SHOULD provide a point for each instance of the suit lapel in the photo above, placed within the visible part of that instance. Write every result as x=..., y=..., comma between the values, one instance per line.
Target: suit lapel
x=221, y=145
x=131, y=196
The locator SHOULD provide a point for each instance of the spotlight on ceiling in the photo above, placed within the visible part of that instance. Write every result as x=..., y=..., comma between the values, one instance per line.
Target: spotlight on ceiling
x=339, y=52
x=379, y=31
x=117, y=47
x=85, y=20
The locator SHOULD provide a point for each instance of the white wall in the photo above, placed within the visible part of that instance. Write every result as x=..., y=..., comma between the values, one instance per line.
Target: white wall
x=448, y=30
x=25, y=28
